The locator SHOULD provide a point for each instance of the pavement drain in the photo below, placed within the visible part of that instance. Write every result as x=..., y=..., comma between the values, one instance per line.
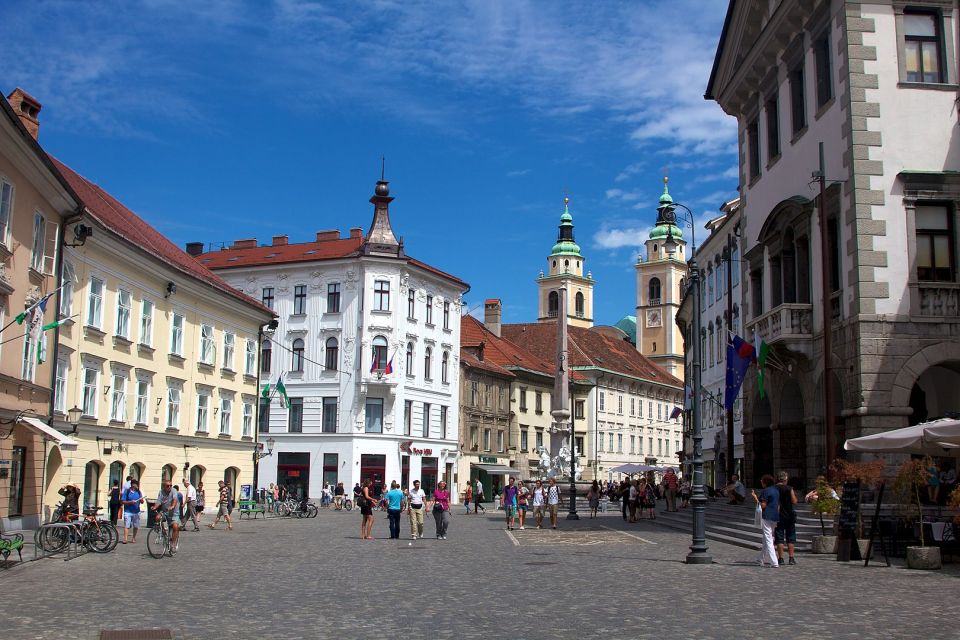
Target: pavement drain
x=538, y=564
x=136, y=634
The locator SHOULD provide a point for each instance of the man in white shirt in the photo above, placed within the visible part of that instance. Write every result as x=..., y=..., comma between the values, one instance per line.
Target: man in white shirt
x=538, y=500
x=415, y=498
x=191, y=499
x=478, y=498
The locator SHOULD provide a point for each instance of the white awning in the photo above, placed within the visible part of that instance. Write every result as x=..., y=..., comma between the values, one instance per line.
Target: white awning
x=49, y=433
x=496, y=469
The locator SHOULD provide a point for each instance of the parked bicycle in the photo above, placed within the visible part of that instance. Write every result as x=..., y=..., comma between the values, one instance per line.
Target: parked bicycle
x=159, y=542
x=99, y=536
x=291, y=507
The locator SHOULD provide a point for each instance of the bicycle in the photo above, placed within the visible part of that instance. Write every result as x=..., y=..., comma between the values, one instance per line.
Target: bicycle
x=158, y=540
x=99, y=536
x=346, y=504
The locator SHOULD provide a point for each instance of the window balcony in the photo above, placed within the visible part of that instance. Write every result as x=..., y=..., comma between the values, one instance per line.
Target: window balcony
x=788, y=324
x=939, y=299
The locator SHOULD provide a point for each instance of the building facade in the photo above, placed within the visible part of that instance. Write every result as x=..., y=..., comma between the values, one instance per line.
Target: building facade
x=34, y=200
x=367, y=346
x=869, y=88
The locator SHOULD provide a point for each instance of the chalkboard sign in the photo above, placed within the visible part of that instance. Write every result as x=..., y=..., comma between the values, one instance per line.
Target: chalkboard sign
x=849, y=508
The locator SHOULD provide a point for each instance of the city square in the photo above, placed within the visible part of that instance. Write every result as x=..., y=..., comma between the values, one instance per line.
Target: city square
x=600, y=578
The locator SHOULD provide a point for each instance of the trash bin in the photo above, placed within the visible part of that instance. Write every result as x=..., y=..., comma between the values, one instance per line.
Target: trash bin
x=151, y=514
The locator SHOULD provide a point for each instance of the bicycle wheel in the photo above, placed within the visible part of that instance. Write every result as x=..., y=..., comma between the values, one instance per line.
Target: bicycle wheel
x=157, y=542
x=100, y=537
x=55, y=539
x=312, y=511
x=282, y=509
x=348, y=505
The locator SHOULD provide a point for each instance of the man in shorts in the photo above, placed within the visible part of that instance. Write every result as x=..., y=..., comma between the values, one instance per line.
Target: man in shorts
x=131, y=499
x=223, y=510
x=510, y=502
x=538, y=500
x=169, y=507
x=553, y=501
x=786, y=531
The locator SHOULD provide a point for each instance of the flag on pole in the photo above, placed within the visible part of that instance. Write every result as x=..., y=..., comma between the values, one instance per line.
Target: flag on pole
x=389, y=368
x=761, y=363
x=55, y=324
x=675, y=413
x=41, y=303
x=265, y=394
x=376, y=361
x=740, y=354
x=42, y=349
x=282, y=390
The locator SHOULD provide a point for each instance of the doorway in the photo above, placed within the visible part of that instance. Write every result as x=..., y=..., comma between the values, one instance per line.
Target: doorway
x=293, y=472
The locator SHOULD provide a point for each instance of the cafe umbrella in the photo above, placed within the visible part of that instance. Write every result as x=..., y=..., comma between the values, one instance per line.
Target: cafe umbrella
x=946, y=430
x=912, y=440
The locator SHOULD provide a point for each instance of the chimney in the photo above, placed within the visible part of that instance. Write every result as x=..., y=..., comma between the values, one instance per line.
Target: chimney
x=324, y=236
x=194, y=248
x=492, y=315
x=27, y=109
x=279, y=241
x=356, y=232
x=248, y=243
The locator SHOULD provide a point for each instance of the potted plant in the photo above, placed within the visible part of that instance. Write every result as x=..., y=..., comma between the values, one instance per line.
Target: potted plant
x=911, y=475
x=823, y=500
x=869, y=474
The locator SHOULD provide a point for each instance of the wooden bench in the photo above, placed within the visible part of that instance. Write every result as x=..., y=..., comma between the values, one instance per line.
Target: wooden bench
x=251, y=508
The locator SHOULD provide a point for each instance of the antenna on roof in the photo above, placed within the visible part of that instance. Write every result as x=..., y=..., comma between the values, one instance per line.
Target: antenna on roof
x=383, y=167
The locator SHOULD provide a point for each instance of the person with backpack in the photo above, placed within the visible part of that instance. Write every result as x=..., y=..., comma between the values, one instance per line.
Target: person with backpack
x=114, y=502
x=131, y=499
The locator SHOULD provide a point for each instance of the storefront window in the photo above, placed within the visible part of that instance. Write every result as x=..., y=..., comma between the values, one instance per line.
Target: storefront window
x=428, y=475
x=373, y=467
x=330, y=467
x=18, y=466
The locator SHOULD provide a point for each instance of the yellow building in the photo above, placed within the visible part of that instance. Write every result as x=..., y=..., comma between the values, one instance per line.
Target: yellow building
x=34, y=199
x=159, y=355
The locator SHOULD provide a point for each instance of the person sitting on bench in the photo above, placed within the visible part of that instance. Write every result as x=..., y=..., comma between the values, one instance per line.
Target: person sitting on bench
x=735, y=490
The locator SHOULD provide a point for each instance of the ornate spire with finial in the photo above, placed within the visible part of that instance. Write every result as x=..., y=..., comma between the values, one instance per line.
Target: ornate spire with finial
x=566, y=245
x=380, y=239
x=666, y=217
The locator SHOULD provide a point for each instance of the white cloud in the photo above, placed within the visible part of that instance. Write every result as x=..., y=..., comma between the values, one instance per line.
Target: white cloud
x=629, y=171
x=623, y=196
x=617, y=238
x=517, y=173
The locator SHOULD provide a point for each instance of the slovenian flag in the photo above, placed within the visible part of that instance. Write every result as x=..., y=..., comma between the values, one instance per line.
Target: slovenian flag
x=389, y=368
x=740, y=355
x=376, y=361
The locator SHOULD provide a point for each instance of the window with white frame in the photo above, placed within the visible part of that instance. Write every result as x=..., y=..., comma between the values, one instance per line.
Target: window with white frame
x=173, y=408
x=446, y=315
x=427, y=363
x=203, y=411
x=412, y=304
x=95, y=303
x=29, y=368
x=426, y=419
x=143, y=402
x=619, y=443
x=602, y=398
x=176, y=334
x=429, y=315
x=226, y=415
x=6, y=210
x=206, y=344
x=229, y=343
x=381, y=295
x=250, y=358
x=333, y=297
x=146, y=323
x=620, y=404
x=124, y=303
x=247, y=419
x=409, y=359
x=91, y=377
x=118, y=403
x=331, y=355
x=486, y=439
x=444, y=368
x=39, y=240
x=299, y=299
x=329, y=416
x=443, y=422
x=66, y=290
x=60, y=386
x=296, y=354
x=500, y=442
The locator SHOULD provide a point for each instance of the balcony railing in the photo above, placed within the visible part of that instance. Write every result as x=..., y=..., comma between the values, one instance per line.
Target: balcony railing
x=785, y=323
x=939, y=300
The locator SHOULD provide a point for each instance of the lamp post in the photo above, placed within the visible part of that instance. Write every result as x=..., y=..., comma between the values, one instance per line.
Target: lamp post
x=698, y=549
x=258, y=453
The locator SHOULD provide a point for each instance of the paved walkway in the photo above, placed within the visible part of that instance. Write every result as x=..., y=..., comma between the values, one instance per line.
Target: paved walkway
x=316, y=579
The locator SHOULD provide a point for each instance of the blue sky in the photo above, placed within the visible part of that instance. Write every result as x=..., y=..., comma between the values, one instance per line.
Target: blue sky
x=220, y=120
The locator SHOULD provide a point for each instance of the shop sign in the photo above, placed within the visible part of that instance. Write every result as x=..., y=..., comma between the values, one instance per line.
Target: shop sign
x=407, y=447
x=488, y=460
x=293, y=473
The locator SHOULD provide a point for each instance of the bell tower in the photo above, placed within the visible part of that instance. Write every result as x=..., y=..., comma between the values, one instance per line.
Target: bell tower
x=565, y=270
x=660, y=282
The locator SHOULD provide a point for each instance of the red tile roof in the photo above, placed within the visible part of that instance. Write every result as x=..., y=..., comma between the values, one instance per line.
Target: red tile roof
x=233, y=258
x=501, y=351
x=123, y=222
x=588, y=348
x=470, y=360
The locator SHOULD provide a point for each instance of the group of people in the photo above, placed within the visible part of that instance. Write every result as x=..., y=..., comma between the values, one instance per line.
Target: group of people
x=397, y=501
x=518, y=499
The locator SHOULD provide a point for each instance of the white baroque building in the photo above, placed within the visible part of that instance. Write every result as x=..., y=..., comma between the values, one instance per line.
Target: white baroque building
x=367, y=343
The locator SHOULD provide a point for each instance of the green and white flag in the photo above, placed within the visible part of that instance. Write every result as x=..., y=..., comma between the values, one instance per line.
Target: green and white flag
x=282, y=390
x=761, y=365
x=265, y=394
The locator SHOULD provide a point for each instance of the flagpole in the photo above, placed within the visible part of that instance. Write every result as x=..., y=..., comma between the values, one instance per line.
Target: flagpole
x=29, y=309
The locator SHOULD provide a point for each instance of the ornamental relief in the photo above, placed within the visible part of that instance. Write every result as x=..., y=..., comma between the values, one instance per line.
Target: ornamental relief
x=251, y=278
x=282, y=276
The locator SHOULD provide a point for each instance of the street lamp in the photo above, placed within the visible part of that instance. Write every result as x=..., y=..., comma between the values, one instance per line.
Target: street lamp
x=73, y=417
x=698, y=549
x=257, y=455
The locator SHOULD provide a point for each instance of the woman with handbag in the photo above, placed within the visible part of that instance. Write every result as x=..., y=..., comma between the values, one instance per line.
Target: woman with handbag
x=768, y=503
x=366, y=510
x=441, y=509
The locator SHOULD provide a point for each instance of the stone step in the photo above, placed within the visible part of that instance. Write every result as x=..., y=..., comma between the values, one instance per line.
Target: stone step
x=739, y=531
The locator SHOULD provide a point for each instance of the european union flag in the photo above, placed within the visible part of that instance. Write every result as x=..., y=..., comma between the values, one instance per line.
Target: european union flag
x=739, y=356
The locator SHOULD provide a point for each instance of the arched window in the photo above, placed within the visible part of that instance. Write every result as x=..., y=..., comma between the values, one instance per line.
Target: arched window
x=553, y=303
x=427, y=363
x=297, y=363
x=331, y=358
x=196, y=475
x=91, y=485
x=409, y=358
x=116, y=473
x=444, y=366
x=654, y=291
x=379, y=354
x=566, y=265
x=266, y=351
x=136, y=471
x=167, y=473
x=579, y=305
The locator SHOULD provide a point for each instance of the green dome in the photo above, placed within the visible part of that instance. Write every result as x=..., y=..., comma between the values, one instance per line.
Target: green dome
x=659, y=232
x=565, y=242
x=665, y=217
x=565, y=247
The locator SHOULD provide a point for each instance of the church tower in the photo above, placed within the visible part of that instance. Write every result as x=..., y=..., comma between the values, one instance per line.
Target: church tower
x=660, y=282
x=565, y=270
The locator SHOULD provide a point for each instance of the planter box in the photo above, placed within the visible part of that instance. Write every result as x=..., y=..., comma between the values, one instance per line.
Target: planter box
x=864, y=544
x=926, y=558
x=824, y=544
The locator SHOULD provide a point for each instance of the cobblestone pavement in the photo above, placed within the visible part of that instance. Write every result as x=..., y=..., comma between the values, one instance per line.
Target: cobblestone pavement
x=287, y=578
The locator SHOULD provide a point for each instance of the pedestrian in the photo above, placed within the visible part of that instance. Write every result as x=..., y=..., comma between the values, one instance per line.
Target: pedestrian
x=523, y=495
x=769, y=501
x=126, y=484
x=191, y=506
x=647, y=499
x=269, y=496
x=71, y=502
x=395, y=507
x=415, y=506
x=933, y=482
x=509, y=501
x=326, y=496
x=625, y=498
x=114, y=503
x=468, y=497
x=179, y=494
x=478, y=497
x=338, y=496
x=593, y=498
x=230, y=502
x=670, y=485
x=537, y=498
x=553, y=501
x=685, y=494
x=223, y=510
x=366, y=510
x=201, y=501
x=634, y=499
x=441, y=509
x=786, y=532
x=131, y=500
x=282, y=493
